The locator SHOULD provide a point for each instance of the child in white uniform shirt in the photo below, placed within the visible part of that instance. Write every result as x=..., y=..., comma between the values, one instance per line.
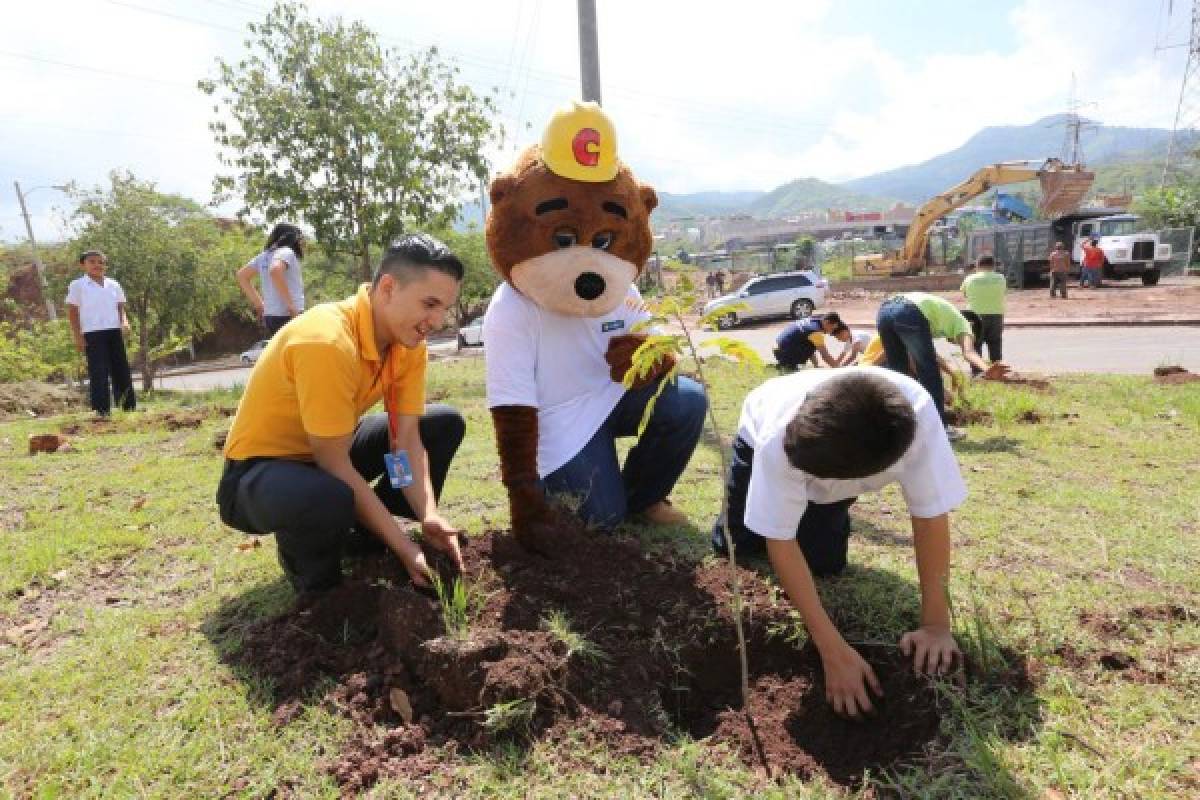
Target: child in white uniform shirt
x=96, y=311
x=807, y=445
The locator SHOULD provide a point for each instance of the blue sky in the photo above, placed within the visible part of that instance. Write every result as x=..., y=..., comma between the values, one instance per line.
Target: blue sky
x=706, y=95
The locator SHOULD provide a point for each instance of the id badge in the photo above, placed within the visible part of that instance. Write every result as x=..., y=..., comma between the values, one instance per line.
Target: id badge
x=398, y=469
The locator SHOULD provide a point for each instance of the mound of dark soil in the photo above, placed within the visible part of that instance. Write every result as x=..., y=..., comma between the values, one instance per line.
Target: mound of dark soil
x=658, y=657
x=968, y=416
x=1174, y=375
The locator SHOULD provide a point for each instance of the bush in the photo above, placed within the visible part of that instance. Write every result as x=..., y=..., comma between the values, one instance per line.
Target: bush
x=42, y=351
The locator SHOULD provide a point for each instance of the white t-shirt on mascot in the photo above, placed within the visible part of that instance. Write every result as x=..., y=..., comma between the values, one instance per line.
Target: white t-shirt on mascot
x=928, y=472
x=555, y=363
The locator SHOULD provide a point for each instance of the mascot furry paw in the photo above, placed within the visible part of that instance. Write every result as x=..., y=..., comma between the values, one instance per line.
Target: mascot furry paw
x=569, y=232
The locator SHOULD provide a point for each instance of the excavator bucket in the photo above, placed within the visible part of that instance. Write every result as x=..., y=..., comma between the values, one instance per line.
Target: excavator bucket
x=1063, y=190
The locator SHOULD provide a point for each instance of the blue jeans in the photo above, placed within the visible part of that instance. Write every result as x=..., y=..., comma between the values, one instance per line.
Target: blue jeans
x=905, y=334
x=823, y=532
x=607, y=493
x=1090, y=276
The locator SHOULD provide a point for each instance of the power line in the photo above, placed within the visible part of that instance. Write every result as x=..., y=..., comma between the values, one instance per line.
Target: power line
x=1187, y=112
x=97, y=70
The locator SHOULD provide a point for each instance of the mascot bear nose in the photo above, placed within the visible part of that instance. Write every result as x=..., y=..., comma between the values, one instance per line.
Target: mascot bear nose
x=589, y=286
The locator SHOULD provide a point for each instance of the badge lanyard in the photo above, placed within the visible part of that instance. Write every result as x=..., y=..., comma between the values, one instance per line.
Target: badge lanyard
x=396, y=462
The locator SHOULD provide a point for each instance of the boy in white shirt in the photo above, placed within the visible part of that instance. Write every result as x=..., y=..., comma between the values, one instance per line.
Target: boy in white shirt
x=807, y=445
x=96, y=311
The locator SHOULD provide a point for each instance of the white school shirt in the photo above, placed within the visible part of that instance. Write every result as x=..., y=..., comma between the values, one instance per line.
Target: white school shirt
x=928, y=472
x=555, y=363
x=273, y=304
x=97, y=303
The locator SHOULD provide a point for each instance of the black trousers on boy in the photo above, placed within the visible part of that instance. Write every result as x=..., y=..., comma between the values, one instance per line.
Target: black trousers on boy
x=823, y=532
x=992, y=335
x=106, y=360
x=311, y=512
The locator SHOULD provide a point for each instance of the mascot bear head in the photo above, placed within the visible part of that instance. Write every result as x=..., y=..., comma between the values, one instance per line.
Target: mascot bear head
x=570, y=226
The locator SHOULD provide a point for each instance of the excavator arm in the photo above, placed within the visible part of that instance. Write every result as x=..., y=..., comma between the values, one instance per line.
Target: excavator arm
x=1063, y=188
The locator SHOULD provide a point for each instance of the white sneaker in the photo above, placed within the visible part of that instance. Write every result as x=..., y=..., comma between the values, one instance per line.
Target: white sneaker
x=955, y=434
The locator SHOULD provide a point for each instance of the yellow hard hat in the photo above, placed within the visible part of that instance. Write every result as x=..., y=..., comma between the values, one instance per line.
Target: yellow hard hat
x=580, y=143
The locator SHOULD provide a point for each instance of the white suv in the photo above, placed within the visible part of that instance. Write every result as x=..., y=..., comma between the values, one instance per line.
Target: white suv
x=794, y=294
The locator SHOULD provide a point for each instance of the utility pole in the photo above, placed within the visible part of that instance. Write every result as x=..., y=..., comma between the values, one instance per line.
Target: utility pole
x=1187, y=112
x=589, y=52
x=37, y=261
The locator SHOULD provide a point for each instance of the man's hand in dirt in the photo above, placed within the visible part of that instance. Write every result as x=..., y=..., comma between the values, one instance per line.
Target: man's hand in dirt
x=998, y=371
x=417, y=568
x=444, y=536
x=847, y=678
x=933, y=650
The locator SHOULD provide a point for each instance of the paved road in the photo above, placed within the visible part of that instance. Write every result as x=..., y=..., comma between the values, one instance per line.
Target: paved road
x=1117, y=350
x=1101, y=349
x=228, y=378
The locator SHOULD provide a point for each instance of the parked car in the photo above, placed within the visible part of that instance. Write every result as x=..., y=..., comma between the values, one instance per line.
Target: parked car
x=795, y=294
x=251, y=355
x=471, y=334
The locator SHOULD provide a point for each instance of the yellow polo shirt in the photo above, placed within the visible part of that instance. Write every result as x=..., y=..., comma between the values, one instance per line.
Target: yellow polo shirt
x=318, y=375
x=873, y=355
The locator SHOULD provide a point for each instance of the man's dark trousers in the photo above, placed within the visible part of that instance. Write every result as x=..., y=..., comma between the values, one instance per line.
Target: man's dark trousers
x=1058, y=282
x=991, y=334
x=106, y=360
x=823, y=532
x=311, y=512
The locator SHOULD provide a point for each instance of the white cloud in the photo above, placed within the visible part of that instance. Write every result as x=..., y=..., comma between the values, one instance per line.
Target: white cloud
x=705, y=95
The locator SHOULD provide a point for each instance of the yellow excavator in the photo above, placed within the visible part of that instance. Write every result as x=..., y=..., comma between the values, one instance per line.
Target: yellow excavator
x=1063, y=189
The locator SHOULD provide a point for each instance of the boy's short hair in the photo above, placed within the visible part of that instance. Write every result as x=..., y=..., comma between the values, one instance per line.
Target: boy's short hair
x=409, y=255
x=836, y=319
x=976, y=322
x=985, y=261
x=850, y=426
x=86, y=254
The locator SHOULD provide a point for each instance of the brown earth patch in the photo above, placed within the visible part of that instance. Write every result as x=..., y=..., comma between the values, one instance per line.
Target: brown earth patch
x=1030, y=416
x=33, y=398
x=662, y=660
x=1164, y=613
x=968, y=416
x=1174, y=375
x=1030, y=381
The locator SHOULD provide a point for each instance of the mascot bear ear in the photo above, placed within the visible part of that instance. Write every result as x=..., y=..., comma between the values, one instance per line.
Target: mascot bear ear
x=503, y=186
x=649, y=197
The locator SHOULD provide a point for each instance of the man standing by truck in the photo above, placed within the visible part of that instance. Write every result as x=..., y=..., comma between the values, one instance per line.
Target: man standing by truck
x=1060, y=267
x=1093, y=264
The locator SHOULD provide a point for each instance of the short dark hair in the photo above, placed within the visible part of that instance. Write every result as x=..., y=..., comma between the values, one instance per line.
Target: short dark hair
x=417, y=251
x=985, y=261
x=285, y=234
x=88, y=253
x=853, y=425
x=836, y=319
x=976, y=322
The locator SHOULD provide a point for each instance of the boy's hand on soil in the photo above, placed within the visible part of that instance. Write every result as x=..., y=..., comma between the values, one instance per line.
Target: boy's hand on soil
x=847, y=678
x=444, y=536
x=933, y=650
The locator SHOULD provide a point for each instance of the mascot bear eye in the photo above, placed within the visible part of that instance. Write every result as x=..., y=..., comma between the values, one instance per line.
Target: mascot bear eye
x=602, y=241
x=565, y=237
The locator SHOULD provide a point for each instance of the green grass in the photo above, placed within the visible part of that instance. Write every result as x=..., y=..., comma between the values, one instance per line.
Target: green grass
x=125, y=693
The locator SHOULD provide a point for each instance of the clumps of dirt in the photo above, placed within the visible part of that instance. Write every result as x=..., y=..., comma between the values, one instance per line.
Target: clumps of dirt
x=1030, y=381
x=1030, y=416
x=47, y=443
x=171, y=420
x=1166, y=612
x=33, y=398
x=642, y=647
x=1174, y=375
x=968, y=416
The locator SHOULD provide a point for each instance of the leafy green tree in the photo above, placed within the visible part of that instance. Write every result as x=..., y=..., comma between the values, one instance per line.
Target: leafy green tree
x=806, y=249
x=1170, y=206
x=317, y=122
x=480, y=279
x=169, y=256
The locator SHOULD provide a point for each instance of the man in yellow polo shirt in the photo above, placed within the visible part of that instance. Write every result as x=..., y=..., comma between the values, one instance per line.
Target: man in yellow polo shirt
x=299, y=460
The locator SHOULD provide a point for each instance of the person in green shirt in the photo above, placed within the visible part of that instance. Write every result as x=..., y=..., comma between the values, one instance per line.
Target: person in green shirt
x=984, y=290
x=908, y=323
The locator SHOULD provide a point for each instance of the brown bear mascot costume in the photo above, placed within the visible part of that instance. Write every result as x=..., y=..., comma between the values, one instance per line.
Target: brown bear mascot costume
x=569, y=232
